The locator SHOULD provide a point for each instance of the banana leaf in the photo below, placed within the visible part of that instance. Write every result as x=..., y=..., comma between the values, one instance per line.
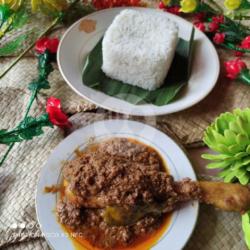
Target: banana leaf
x=177, y=77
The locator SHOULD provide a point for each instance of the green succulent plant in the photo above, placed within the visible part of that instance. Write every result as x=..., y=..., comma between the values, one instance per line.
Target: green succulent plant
x=229, y=136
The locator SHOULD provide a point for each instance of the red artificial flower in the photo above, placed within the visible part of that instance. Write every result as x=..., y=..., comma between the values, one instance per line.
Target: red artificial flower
x=213, y=26
x=104, y=4
x=201, y=26
x=218, y=19
x=200, y=16
x=173, y=10
x=234, y=68
x=46, y=43
x=161, y=5
x=245, y=44
x=219, y=38
x=56, y=115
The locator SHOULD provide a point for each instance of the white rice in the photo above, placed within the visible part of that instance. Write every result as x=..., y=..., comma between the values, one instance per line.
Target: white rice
x=138, y=48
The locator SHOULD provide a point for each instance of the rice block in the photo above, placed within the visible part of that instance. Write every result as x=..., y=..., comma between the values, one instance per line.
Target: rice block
x=138, y=48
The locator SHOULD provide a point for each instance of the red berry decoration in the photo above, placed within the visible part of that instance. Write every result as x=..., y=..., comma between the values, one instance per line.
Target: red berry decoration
x=218, y=19
x=161, y=5
x=201, y=26
x=234, y=68
x=213, y=26
x=219, y=38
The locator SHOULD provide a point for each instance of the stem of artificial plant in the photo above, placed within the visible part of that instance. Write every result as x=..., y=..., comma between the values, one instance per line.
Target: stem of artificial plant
x=233, y=47
x=7, y=153
x=32, y=98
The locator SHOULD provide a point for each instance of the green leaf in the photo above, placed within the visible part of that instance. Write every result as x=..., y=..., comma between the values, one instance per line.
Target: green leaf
x=21, y=18
x=224, y=149
x=221, y=125
x=220, y=164
x=27, y=129
x=177, y=78
x=240, y=155
x=229, y=177
x=246, y=161
x=244, y=179
x=242, y=124
x=10, y=20
x=230, y=136
x=13, y=46
x=219, y=138
x=234, y=31
x=235, y=148
x=226, y=172
x=242, y=140
x=236, y=165
x=245, y=5
x=5, y=13
x=6, y=25
x=234, y=126
x=240, y=172
x=246, y=227
x=2, y=131
x=217, y=157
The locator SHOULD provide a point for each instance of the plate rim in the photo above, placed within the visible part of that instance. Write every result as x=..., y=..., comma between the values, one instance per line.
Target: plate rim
x=137, y=112
x=45, y=167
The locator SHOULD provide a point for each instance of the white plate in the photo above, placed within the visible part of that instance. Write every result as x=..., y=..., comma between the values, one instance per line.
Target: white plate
x=183, y=220
x=75, y=46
